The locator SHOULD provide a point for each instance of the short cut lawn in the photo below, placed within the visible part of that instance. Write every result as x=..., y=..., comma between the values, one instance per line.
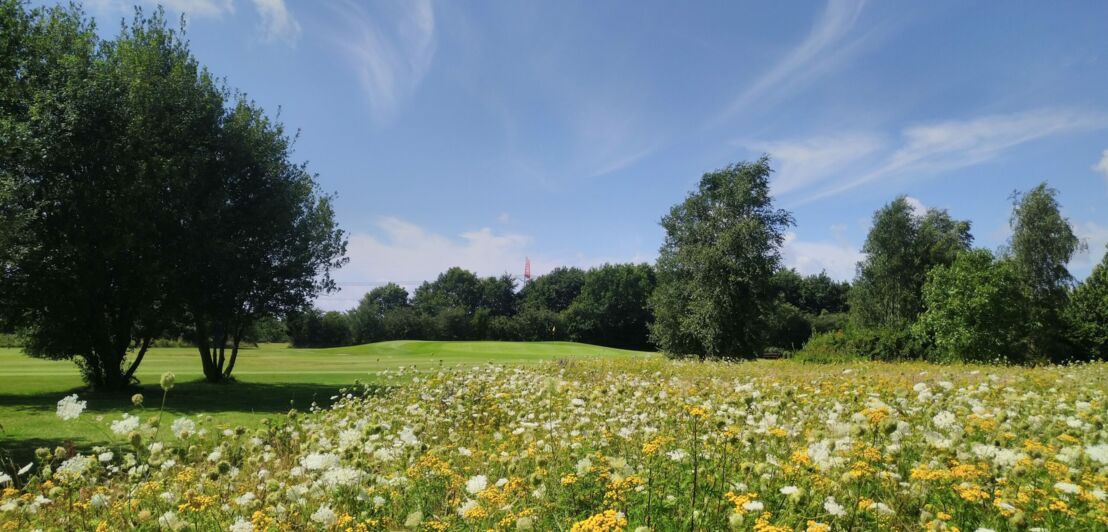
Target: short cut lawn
x=271, y=379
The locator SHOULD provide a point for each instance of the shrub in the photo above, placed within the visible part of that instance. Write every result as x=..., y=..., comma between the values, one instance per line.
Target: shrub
x=857, y=343
x=827, y=348
x=829, y=321
x=885, y=343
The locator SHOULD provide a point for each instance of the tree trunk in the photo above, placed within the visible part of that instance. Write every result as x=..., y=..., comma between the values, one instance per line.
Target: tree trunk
x=110, y=374
x=138, y=360
x=234, y=355
x=203, y=344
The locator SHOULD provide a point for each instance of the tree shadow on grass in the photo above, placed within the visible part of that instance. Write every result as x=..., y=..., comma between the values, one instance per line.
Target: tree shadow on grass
x=193, y=397
x=186, y=398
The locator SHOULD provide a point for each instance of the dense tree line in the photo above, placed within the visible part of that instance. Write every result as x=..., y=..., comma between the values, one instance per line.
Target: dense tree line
x=607, y=305
x=141, y=198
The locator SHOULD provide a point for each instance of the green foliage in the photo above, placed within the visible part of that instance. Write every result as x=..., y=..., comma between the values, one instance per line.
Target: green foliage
x=613, y=307
x=370, y=319
x=455, y=288
x=262, y=216
x=134, y=199
x=900, y=249
x=1087, y=314
x=863, y=343
x=975, y=311
x=268, y=329
x=554, y=291
x=10, y=340
x=315, y=328
x=84, y=168
x=806, y=304
x=1041, y=245
x=827, y=348
x=530, y=325
x=722, y=247
x=829, y=321
x=813, y=294
x=789, y=328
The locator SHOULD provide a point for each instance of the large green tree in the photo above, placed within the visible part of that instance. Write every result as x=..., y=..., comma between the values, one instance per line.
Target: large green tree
x=901, y=248
x=455, y=288
x=974, y=310
x=257, y=237
x=554, y=291
x=135, y=199
x=722, y=247
x=368, y=319
x=1041, y=245
x=95, y=134
x=1087, y=313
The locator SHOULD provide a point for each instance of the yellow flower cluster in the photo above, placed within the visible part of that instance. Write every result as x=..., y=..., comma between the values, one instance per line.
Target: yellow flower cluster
x=606, y=521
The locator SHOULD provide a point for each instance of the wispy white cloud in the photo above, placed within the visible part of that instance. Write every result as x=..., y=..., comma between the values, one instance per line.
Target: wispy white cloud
x=278, y=23
x=824, y=48
x=838, y=259
x=800, y=164
x=1102, y=166
x=389, y=50
x=943, y=146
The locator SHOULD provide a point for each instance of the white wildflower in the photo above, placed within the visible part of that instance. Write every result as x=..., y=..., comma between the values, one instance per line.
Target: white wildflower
x=324, y=515
x=183, y=427
x=124, y=426
x=70, y=408
x=1098, y=453
x=1066, y=487
x=477, y=484
x=944, y=420
x=241, y=525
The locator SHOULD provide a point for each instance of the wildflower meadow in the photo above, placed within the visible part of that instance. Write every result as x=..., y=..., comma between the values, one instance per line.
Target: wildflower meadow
x=646, y=444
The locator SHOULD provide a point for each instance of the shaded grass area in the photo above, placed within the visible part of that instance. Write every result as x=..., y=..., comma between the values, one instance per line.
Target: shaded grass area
x=271, y=379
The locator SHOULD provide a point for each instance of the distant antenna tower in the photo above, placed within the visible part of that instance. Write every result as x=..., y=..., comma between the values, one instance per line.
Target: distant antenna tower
x=527, y=269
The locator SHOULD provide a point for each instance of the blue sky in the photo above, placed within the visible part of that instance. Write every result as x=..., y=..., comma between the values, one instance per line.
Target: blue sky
x=477, y=133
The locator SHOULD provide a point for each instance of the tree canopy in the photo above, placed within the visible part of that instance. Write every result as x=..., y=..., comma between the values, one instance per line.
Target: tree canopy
x=722, y=247
x=1041, y=245
x=974, y=310
x=901, y=248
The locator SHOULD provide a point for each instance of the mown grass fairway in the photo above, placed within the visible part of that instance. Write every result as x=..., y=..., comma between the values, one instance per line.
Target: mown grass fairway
x=271, y=379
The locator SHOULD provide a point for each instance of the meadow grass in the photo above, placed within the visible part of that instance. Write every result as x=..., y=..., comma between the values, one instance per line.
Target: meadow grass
x=270, y=379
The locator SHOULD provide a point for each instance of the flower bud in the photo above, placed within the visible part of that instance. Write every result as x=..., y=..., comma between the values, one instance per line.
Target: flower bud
x=168, y=380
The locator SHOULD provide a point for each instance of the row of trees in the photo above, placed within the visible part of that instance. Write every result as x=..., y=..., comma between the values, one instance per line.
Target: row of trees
x=606, y=305
x=140, y=196
x=924, y=292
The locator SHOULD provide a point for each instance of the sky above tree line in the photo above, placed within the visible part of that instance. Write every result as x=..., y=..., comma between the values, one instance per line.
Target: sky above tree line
x=476, y=134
